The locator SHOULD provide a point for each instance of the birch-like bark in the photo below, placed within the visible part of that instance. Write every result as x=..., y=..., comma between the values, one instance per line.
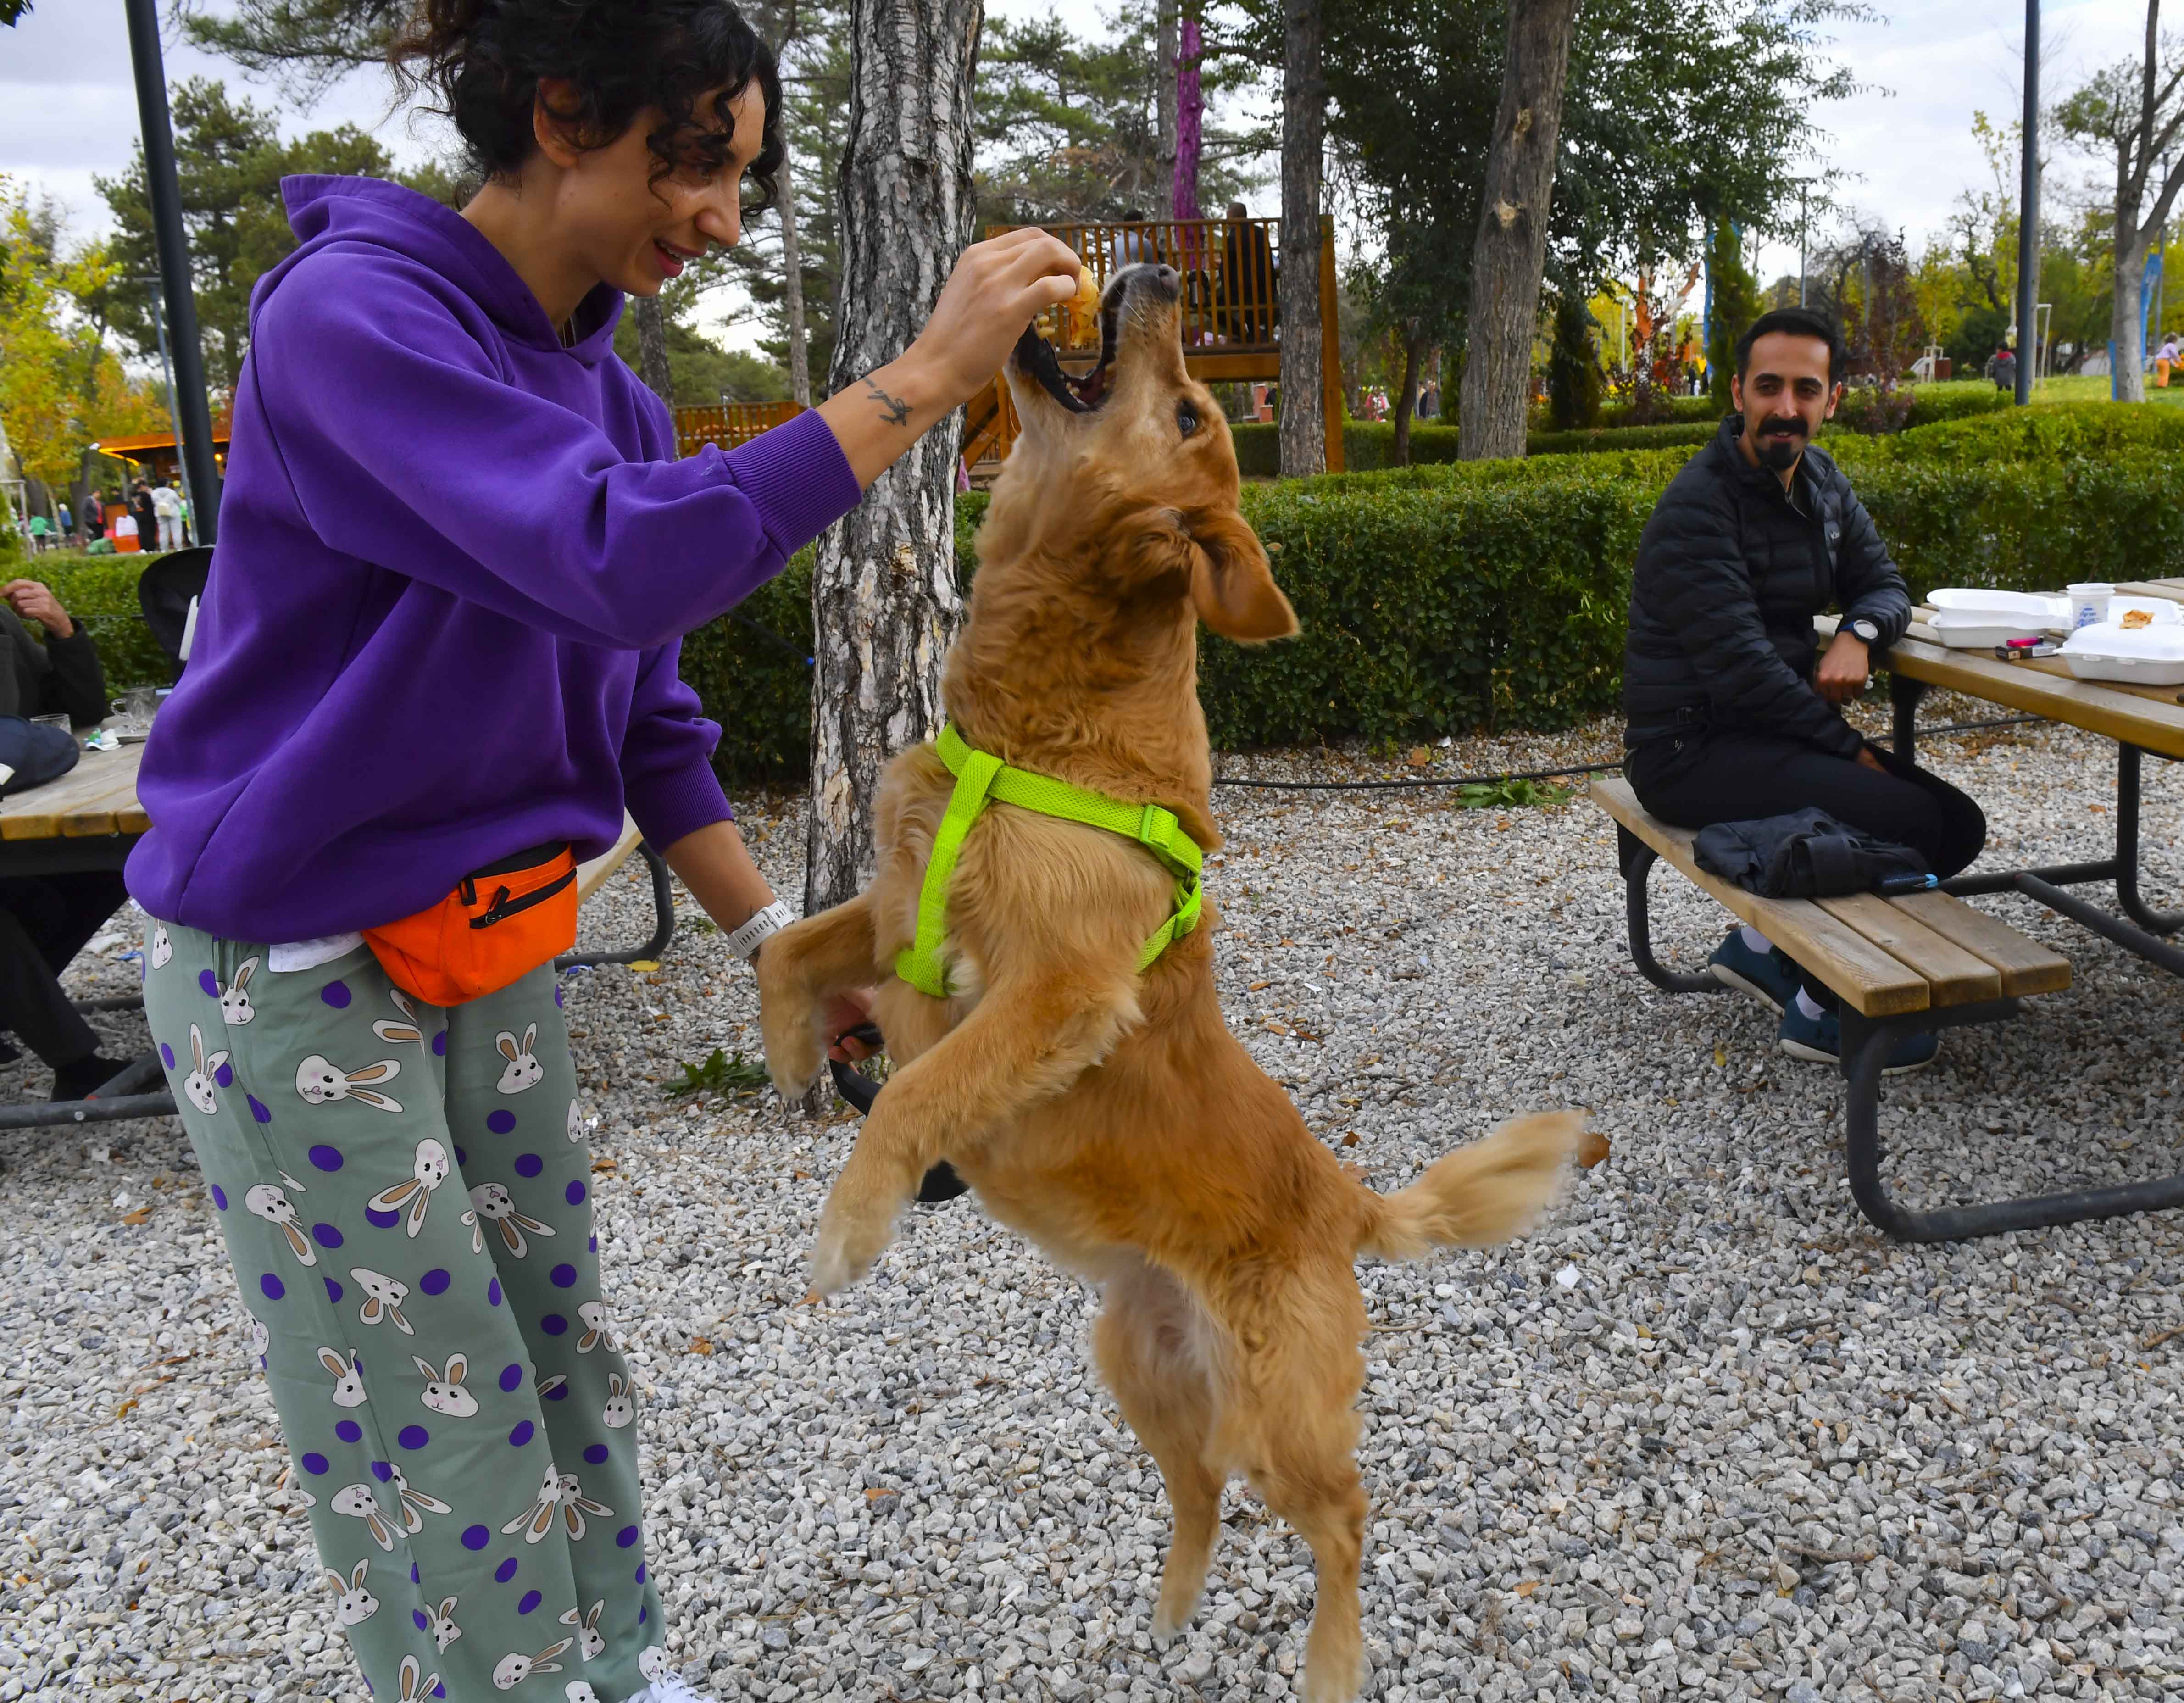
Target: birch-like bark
x=1168, y=45
x=884, y=602
x=1511, y=249
x=1304, y=423
x=652, y=347
x=792, y=274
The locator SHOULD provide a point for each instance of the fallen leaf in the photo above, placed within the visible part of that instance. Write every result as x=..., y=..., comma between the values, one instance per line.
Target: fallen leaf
x=127, y=1408
x=701, y=1345
x=801, y=1176
x=1527, y=1587
x=599, y=1165
x=1257, y=986
x=1420, y=756
x=142, y=1216
x=879, y=1493
x=644, y=966
x=1592, y=1148
x=1350, y=1138
x=1720, y=1058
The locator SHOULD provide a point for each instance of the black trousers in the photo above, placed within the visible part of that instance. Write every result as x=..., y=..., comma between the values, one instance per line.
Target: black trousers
x=44, y=922
x=1720, y=775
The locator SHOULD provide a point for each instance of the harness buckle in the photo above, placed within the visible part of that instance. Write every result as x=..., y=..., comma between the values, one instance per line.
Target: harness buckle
x=1156, y=827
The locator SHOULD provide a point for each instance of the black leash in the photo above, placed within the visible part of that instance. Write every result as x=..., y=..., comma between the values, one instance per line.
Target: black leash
x=941, y=1183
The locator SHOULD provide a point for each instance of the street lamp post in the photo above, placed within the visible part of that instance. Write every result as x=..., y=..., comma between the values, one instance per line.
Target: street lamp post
x=186, y=393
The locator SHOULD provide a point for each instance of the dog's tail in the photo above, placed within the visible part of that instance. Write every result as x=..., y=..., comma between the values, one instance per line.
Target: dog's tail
x=1479, y=1195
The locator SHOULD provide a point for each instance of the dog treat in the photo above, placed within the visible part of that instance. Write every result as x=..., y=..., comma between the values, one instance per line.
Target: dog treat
x=1088, y=290
x=2135, y=618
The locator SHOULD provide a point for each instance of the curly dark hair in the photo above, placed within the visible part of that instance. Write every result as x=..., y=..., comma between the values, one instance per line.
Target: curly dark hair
x=485, y=58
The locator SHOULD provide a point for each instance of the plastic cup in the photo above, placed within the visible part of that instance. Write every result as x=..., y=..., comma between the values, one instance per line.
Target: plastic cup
x=2089, y=604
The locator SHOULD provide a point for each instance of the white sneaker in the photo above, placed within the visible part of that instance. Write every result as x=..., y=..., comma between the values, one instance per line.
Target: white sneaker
x=672, y=1689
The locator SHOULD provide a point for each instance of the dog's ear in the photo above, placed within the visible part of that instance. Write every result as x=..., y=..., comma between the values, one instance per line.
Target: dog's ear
x=1232, y=583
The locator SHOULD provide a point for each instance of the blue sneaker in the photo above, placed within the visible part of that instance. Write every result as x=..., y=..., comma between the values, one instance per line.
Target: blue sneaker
x=1819, y=1039
x=1768, y=977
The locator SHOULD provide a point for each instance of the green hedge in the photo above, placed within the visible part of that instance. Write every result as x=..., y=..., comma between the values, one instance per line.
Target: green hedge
x=100, y=592
x=1443, y=598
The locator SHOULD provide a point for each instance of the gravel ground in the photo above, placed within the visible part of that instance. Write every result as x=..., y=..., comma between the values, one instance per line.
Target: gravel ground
x=1704, y=1435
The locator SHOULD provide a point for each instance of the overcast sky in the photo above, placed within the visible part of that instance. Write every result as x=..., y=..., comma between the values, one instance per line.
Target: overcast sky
x=68, y=109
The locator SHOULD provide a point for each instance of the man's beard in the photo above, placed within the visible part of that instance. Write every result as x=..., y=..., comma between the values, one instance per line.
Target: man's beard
x=1780, y=450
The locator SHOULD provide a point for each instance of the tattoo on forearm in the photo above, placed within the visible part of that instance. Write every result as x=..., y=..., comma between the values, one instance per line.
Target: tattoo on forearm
x=896, y=409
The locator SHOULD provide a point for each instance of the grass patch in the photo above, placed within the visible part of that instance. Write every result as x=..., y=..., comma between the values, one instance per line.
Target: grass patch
x=723, y=1073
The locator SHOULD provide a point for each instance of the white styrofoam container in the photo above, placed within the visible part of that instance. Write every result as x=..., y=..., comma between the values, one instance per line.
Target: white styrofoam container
x=2137, y=656
x=2044, y=614
x=1981, y=629
x=2160, y=609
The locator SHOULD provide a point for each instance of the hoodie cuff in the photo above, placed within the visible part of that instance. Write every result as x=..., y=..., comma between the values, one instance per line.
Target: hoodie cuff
x=798, y=478
x=668, y=806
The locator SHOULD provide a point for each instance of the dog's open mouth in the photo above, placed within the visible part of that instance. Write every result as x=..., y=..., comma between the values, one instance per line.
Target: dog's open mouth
x=1036, y=360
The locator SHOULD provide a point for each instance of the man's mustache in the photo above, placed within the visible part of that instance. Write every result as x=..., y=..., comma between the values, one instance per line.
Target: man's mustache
x=1783, y=428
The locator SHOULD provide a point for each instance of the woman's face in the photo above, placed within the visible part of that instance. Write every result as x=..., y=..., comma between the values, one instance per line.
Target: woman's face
x=635, y=233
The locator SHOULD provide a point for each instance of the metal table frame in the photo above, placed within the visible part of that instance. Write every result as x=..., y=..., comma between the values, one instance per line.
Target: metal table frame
x=1867, y=1041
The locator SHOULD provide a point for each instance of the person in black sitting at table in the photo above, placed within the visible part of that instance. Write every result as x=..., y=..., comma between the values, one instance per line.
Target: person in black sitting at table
x=45, y=919
x=1731, y=705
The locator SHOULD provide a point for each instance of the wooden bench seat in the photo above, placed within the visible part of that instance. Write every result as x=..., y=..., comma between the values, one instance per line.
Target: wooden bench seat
x=591, y=875
x=1882, y=957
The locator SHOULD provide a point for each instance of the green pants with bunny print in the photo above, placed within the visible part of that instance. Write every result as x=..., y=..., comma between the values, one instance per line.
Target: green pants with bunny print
x=405, y=1195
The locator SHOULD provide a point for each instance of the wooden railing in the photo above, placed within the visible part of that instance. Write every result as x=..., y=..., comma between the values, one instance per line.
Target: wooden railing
x=1229, y=268
x=728, y=425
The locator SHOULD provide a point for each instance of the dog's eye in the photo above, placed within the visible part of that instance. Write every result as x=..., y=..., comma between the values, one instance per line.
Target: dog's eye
x=1186, y=418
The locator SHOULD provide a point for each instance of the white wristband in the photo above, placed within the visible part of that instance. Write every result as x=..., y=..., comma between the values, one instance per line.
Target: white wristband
x=761, y=928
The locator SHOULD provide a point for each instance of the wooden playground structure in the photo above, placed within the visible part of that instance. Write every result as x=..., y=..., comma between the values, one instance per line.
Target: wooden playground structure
x=1231, y=328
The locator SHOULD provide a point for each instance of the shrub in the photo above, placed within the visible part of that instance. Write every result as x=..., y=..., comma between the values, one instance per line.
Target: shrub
x=100, y=591
x=1955, y=398
x=1573, y=377
x=1693, y=434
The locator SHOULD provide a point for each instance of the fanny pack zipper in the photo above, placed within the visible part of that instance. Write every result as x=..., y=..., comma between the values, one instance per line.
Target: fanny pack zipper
x=504, y=906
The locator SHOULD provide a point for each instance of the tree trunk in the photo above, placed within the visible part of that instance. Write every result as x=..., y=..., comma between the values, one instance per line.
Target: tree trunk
x=1167, y=46
x=885, y=603
x=2123, y=320
x=1506, y=261
x=792, y=274
x=1406, y=399
x=1303, y=424
x=652, y=347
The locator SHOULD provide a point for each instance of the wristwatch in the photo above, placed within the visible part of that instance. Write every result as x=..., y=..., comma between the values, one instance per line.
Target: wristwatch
x=1865, y=630
x=746, y=940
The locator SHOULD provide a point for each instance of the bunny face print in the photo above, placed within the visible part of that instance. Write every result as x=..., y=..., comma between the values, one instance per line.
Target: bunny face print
x=354, y=1604
x=445, y=1632
x=536, y=1521
x=200, y=1085
x=383, y=1297
x=414, y=1193
x=443, y=1390
x=235, y=1007
x=594, y=1317
x=495, y=1205
x=356, y=1502
x=163, y=947
x=652, y=1663
x=620, y=1409
x=523, y=1070
x=349, y=1380
x=515, y=1668
x=416, y=1504
x=592, y=1643
x=321, y=1083
x=416, y=1686
x=266, y=1202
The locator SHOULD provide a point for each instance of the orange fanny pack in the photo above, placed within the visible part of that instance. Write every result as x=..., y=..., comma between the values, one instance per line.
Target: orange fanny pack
x=501, y=923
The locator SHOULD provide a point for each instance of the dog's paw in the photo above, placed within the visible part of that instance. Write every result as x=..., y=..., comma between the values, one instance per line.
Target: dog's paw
x=1170, y=1617
x=845, y=1251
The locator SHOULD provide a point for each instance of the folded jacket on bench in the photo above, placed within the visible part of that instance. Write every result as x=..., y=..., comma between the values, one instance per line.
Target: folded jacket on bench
x=1807, y=854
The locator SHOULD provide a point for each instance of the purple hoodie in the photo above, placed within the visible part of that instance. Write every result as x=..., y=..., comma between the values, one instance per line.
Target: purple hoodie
x=456, y=561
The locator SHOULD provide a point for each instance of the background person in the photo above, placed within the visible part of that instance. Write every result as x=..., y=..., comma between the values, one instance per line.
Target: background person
x=147, y=514
x=1732, y=710
x=167, y=514
x=45, y=919
x=456, y=557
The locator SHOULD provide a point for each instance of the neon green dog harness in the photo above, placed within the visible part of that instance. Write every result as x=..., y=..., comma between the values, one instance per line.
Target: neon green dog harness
x=981, y=778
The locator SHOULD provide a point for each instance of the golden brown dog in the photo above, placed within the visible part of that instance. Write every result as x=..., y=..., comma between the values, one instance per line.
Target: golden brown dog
x=1111, y=1116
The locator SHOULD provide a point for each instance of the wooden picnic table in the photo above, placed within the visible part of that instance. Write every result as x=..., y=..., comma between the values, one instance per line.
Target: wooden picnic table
x=87, y=819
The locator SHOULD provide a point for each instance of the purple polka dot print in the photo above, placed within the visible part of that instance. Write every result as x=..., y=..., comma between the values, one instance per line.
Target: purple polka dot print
x=258, y=1109
x=210, y=983
x=383, y=1472
x=440, y=1044
x=220, y=1196
x=500, y=1122
x=435, y=1281
x=596, y=1455
x=493, y=1292
x=564, y=1276
x=381, y=1220
x=334, y=1291
x=349, y=1430
x=561, y=1003
x=524, y=1431
x=505, y=1571
x=166, y=1055
x=554, y=1325
x=529, y=1164
x=640, y=1579
x=461, y=1158
x=476, y=1537
x=574, y=1194
x=273, y=1287
x=530, y=1600
x=327, y=1158
x=336, y=994
x=626, y=1537
x=315, y=1463
x=414, y=1437
x=225, y=1075
x=325, y=1235
x=511, y=1379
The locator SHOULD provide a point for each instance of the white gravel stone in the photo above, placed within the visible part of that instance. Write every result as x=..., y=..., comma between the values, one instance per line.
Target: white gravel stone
x=1748, y=1449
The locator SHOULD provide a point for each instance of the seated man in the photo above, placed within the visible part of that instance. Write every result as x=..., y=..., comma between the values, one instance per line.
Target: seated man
x=1730, y=718
x=45, y=919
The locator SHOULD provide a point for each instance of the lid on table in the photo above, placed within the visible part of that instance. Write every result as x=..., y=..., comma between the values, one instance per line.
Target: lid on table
x=2003, y=606
x=2162, y=641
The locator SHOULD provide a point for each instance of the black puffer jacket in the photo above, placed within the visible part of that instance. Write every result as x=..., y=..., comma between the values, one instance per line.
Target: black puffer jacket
x=1729, y=578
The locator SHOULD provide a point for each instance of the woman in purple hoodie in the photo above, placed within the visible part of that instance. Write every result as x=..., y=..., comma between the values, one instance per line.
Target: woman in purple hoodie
x=436, y=660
